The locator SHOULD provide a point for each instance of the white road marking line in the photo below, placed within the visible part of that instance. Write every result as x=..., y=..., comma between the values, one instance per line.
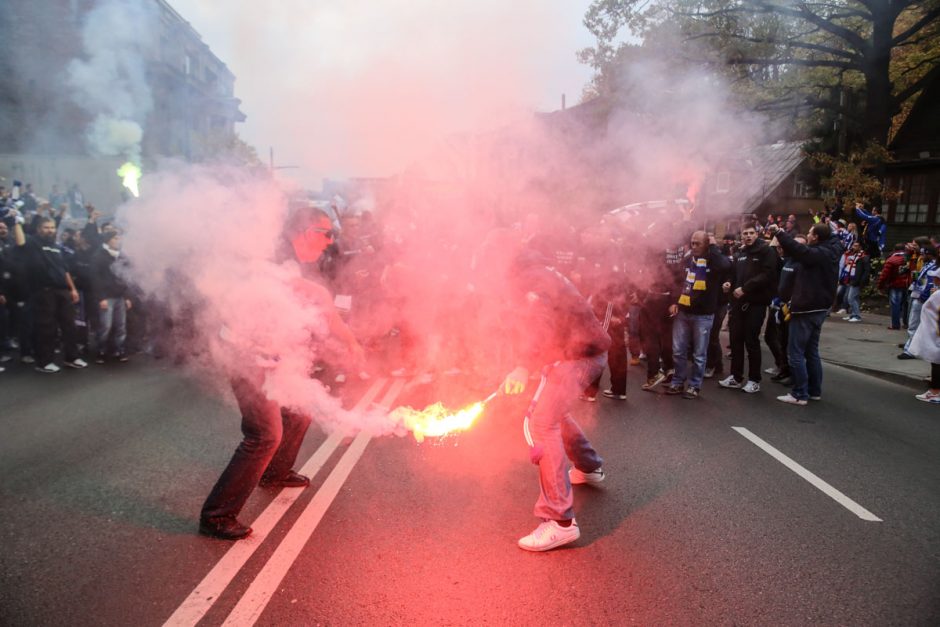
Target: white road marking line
x=824, y=487
x=259, y=593
x=197, y=604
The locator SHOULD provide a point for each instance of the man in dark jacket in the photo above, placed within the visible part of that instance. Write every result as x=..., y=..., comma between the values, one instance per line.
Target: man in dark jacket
x=53, y=296
x=751, y=288
x=557, y=332
x=694, y=312
x=814, y=287
x=111, y=295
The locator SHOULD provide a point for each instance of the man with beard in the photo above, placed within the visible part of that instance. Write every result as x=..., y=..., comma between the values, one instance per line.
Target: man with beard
x=751, y=288
x=272, y=435
x=53, y=296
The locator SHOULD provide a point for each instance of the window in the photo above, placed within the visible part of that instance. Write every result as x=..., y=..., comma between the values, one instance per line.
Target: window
x=912, y=202
x=723, y=182
x=802, y=188
x=187, y=65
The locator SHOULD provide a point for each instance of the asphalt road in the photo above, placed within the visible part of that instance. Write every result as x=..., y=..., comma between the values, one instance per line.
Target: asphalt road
x=102, y=473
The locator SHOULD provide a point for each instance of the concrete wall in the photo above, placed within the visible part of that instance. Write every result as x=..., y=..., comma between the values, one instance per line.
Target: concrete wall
x=96, y=177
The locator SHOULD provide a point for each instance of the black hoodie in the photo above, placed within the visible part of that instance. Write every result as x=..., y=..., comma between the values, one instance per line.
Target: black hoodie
x=755, y=272
x=817, y=273
x=554, y=321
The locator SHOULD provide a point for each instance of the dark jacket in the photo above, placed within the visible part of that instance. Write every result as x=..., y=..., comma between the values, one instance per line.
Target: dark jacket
x=817, y=275
x=705, y=302
x=755, y=272
x=787, y=279
x=105, y=282
x=554, y=321
x=46, y=265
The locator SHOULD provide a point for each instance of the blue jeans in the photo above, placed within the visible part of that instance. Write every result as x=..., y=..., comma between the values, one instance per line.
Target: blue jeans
x=561, y=439
x=690, y=331
x=896, y=298
x=854, y=298
x=803, y=354
x=114, y=315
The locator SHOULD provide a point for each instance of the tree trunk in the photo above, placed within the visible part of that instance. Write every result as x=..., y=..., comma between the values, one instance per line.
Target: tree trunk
x=880, y=107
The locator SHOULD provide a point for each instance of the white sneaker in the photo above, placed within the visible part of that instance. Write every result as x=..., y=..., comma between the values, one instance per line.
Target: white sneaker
x=792, y=400
x=709, y=373
x=49, y=368
x=550, y=535
x=610, y=394
x=580, y=478
x=77, y=363
x=730, y=382
x=751, y=387
x=772, y=371
x=928, y=397
x=815, y=398
x=27, y=359
x=841, y=312
x=854, y=319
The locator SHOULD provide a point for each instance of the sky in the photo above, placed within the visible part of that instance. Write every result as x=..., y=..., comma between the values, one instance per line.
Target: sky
x=365, y=87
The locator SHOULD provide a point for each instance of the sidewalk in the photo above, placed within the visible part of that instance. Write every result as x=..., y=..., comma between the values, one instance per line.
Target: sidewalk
x=870, y=347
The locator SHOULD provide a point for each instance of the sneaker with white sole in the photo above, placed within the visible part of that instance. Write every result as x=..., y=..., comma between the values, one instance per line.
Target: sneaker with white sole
x=854, y=319
x=772, y=371
x=610, y=394
x=27, y=359
x=550, y=535
x=790, y=399
x=731, y=383
x=928, y=397
x=841, y=312
x=751, y=387
x=578, y=477
x=588, y=399
x=49, y=368
x=653, y=381
x=709, y=373
x=77, y=363
x=815, y=398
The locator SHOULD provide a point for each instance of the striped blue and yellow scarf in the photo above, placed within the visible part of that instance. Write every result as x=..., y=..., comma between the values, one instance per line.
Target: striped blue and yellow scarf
x=694, y=281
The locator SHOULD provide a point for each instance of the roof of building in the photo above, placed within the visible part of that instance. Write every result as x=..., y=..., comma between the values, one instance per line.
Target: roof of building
x=767, y=166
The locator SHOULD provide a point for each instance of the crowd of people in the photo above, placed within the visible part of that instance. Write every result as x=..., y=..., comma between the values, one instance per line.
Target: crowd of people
x=63, y=290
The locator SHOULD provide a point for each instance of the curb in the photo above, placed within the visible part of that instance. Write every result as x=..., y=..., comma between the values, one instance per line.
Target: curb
x=916, y=383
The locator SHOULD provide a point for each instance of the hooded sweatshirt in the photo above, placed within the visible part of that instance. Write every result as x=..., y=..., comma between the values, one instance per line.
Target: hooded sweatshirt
x=553, y=321
x=817, y=274
x=755, y=272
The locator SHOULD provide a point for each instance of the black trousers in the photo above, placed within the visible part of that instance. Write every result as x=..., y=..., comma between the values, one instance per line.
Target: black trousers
x=657, y=334
x=715, y=359
x=54, y=312
x=773, y=337
x=272, y=439
x=935, y=376
x=744, y=325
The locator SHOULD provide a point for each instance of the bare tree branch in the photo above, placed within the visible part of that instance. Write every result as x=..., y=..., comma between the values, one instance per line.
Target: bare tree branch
x=926, y=19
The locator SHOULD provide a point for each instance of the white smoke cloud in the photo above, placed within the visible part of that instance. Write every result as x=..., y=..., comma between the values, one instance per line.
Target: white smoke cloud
x=110, y=82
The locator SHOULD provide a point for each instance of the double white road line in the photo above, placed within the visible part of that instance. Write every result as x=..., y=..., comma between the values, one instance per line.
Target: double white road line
x=252, y=604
